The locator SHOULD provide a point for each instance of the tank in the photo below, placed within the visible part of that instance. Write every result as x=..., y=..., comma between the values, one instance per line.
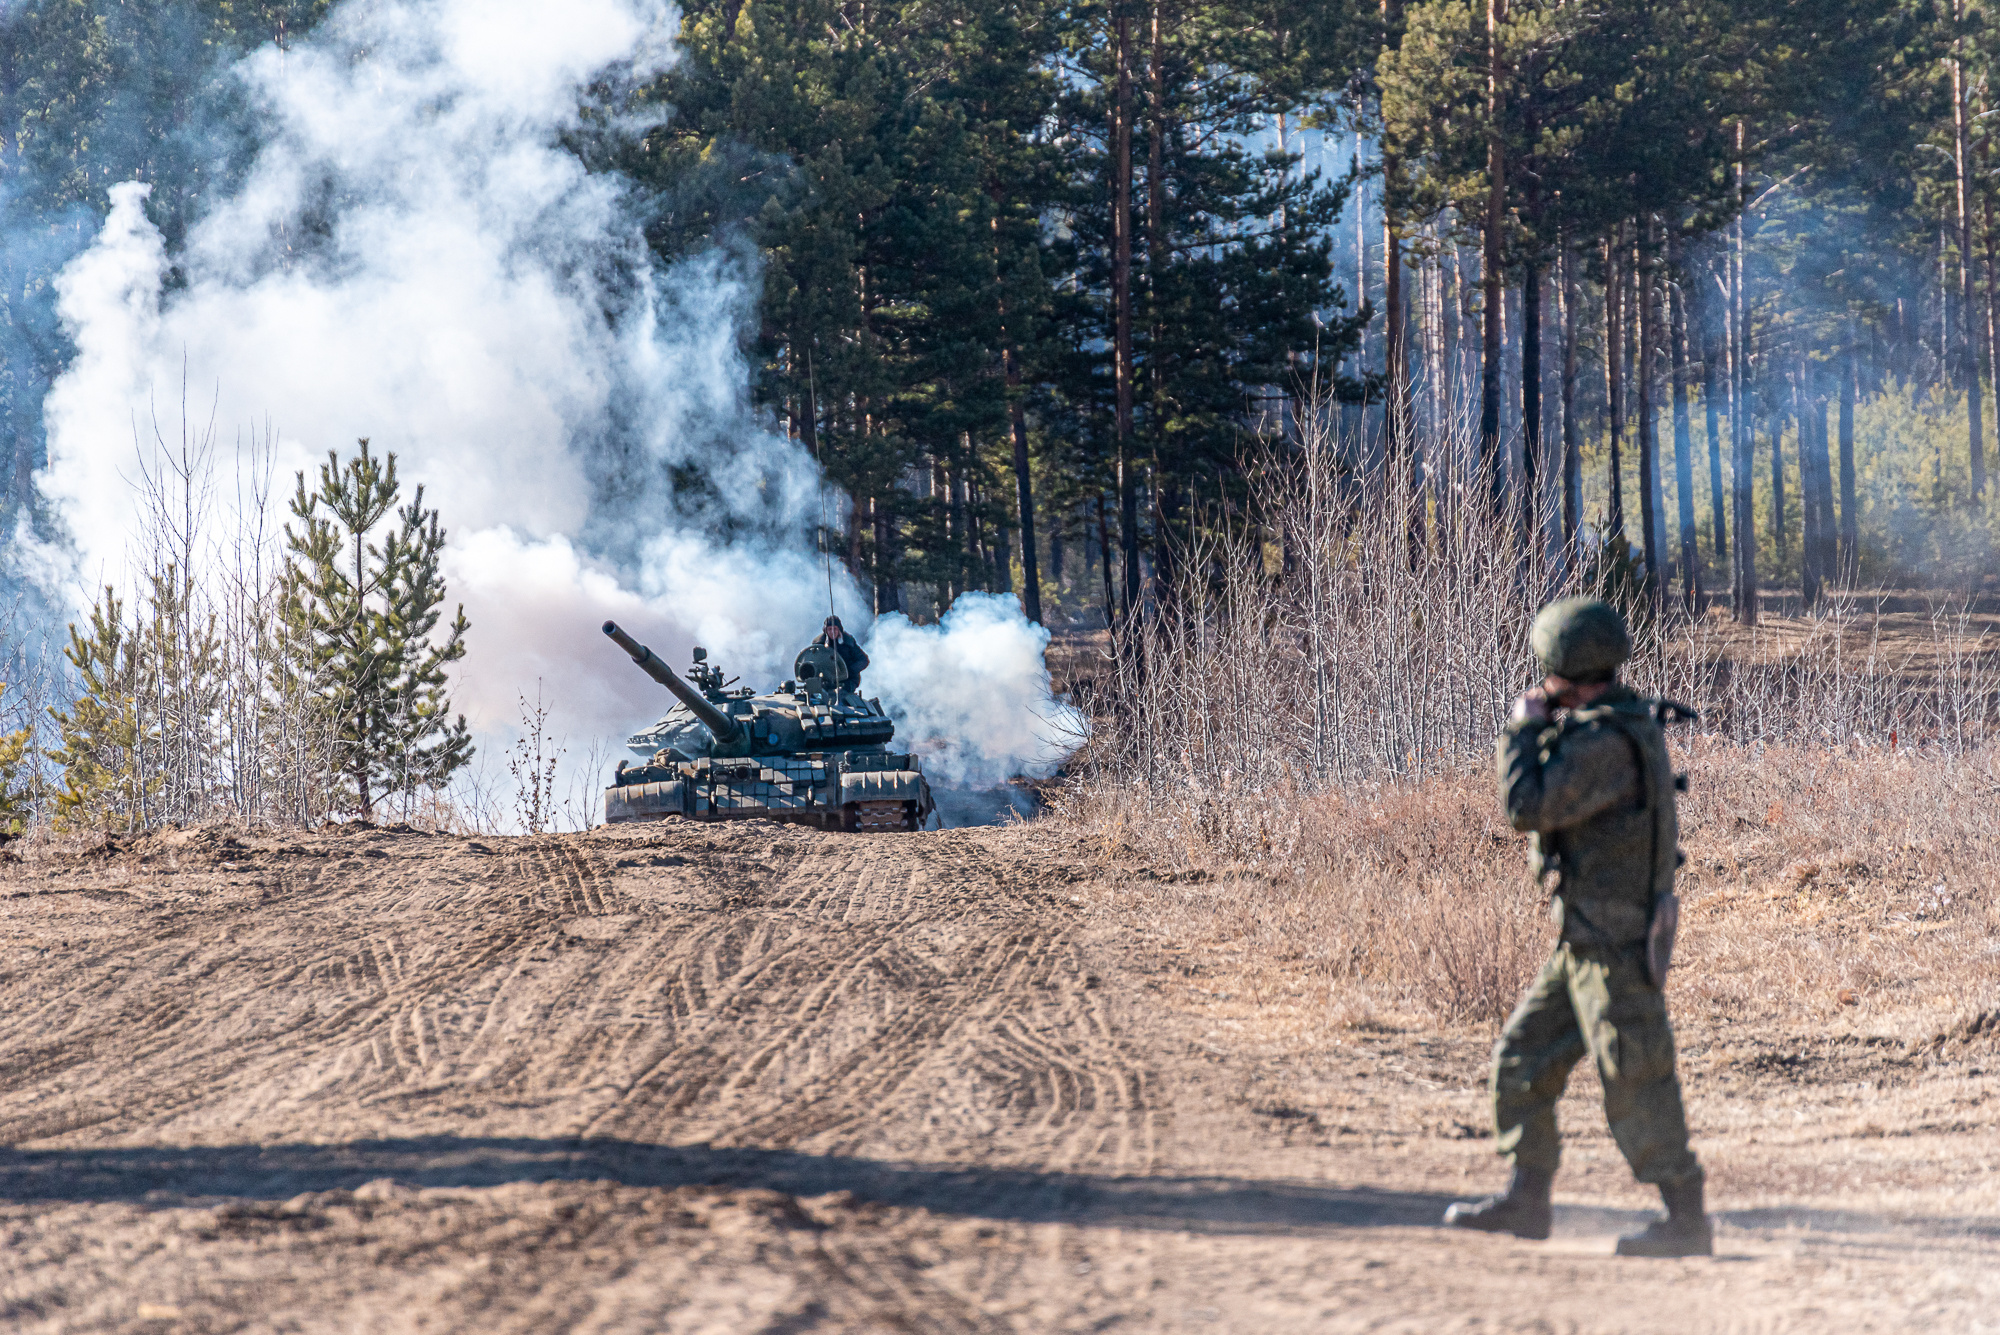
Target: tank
x=811, y=752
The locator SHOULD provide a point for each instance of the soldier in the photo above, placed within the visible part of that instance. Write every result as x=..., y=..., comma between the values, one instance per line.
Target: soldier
x=1596, y=793
x=837, y=639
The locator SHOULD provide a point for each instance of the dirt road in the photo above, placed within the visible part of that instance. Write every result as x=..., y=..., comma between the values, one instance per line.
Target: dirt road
x=755, y=1079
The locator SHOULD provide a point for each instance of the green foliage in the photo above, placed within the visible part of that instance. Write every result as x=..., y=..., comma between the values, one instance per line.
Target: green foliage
x=1914, y=528
x=16, y=788
x=105, y=783
x=889, y=166
x=1602, y=112
x=929, y=196
x=363, y=617
x=1234, y=293
x=928, y=188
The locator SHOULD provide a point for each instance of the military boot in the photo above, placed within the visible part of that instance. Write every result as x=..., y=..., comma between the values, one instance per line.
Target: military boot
x=1684, y=1232
x=1523, y=1209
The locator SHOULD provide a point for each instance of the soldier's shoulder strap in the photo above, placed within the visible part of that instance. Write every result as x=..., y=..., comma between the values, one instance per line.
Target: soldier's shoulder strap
x=1639, y=720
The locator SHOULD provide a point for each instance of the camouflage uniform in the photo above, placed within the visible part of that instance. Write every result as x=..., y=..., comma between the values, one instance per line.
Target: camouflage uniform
x=851, y=654
x=1597, y=793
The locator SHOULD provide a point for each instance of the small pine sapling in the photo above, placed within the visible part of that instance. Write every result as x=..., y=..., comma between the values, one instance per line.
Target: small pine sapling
x=16, y=790
x=104, y=728
x=362, y=618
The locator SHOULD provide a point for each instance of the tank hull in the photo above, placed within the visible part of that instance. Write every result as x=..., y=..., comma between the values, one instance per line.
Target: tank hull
x=831, y=792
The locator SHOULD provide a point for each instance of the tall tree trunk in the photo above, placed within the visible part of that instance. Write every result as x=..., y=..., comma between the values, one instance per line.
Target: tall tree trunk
x=1683, y=431
x=1165, y=505
x=1986, y=241
x=1395, y=358
x=1121, y=295
x=1850, y=519
x=1104, y=563
x=1992, y=303
x=1968, y=303
x=1493, y=275
x=1395, y=352
x=1024, y=491
x=1744, y=585
x=1650, y=519
x=855, y=565
x=1531, y=399
x=1829, y=527
x=1614, y=407
x=1947, y=345
x=1361, y=259
x=888, y=590
x=940, y=499
x=1809, y=547
x=1003, y=555
x=1778, y=481
x=808, y=418
x=1711, y=394
x=1017, y=424
x=1572, y=483
x=967, y=543
x=1451, y=332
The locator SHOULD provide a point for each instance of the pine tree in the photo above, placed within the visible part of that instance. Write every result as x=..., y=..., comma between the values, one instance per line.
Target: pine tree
x=104, y=731
x=361, y=616
x=16, y=795
x=1231, y=293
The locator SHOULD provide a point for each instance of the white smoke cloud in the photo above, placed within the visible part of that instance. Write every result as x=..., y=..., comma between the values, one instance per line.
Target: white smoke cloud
x=414, y=258
x=973, y=691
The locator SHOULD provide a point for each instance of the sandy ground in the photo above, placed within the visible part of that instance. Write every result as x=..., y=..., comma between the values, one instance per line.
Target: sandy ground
x=678, y=1078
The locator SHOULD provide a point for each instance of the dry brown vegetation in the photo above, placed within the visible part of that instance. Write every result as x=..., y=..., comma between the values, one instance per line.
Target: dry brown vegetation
x=1300, y=748
x=1851, y=886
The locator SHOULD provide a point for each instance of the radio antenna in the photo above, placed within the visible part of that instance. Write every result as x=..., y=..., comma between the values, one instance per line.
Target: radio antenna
x=812, y=407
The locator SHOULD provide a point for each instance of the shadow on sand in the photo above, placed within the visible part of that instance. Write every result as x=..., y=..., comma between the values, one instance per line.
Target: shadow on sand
x=202, y=1175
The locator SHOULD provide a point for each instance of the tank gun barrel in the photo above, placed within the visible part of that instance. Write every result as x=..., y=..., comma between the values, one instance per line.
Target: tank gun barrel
x=725, y=728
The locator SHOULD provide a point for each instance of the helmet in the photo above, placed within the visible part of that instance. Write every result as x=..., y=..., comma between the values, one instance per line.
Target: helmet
x=1583, y=639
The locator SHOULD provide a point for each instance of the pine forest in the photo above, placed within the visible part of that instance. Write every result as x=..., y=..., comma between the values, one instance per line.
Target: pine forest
x=1717, y=282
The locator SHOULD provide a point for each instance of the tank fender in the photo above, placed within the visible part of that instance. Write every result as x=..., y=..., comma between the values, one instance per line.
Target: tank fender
x=883, y=785
x=645, y=801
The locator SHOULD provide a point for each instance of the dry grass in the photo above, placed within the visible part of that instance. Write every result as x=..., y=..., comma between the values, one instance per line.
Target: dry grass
x=1849, y=886
x=1827, y=883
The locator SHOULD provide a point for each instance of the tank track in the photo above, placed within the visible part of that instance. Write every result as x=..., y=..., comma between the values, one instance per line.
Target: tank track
x=877, y=817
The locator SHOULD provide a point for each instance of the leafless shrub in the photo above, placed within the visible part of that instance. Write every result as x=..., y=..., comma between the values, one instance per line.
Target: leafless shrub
x=582, y=806
x=233, y=732
x=532, y=762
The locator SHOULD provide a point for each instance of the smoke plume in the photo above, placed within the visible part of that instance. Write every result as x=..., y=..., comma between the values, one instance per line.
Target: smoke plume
x=957, y=689
x=413, y=257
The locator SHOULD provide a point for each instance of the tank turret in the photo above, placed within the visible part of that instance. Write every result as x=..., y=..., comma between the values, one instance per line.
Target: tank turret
x=811, y=752
x=725, y=728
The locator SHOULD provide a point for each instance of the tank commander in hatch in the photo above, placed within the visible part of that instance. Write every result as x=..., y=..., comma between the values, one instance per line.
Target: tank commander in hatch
x=1595, y=791
x=833, y=637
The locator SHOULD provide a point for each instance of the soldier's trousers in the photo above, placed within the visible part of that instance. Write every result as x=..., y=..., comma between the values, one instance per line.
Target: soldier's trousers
x=1598, y=1002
